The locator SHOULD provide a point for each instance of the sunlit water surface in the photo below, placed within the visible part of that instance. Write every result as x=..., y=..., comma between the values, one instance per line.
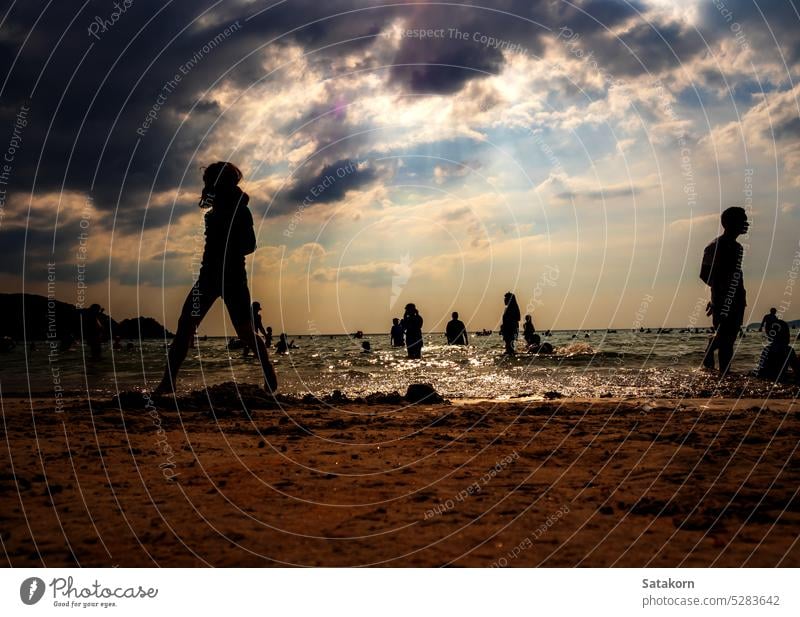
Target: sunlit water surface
x=604, y=364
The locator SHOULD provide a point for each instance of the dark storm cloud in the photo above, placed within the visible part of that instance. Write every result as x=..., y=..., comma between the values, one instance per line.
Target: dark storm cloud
x=645, y=48
x=326, y=185
x=787, y=129
x=87, y=104
x=770, y=28
x=93, y=123
x=442, y=66
x=85, y=111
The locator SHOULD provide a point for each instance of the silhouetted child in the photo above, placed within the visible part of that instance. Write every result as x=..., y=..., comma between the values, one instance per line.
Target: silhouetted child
x=396, y=334
x=412, y=324
x=509, y=329
x=284, y=345
x=778, y=356
x=268, y=337
x=456, y=331
x=722, y=271
x=229, y=237
x=366, y=347
x=528, y=331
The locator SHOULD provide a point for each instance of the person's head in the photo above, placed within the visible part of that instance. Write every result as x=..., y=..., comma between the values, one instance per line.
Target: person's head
x=395, y=321
x=734, y=221
x=221, y=175
x=507, y=298
x=269, y=329
x=536, y=339
x=256, y=307
x=455, y=314
x=283, y=336
x=411, y=309
x=366, y=346
x=779, y=333
x=527, y=318
x=773, y=311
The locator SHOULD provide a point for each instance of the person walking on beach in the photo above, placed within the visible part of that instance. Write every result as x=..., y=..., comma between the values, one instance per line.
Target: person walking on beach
x=528, y=331
x=229, y=237
x=396, y=334
x=456, y=331
x=258, y=326
x=509, y=329
x=412, y=324
x=721, y=270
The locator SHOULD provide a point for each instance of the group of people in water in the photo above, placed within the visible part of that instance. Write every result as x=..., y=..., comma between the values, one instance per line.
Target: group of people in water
x=230, y=237
x=407, y=332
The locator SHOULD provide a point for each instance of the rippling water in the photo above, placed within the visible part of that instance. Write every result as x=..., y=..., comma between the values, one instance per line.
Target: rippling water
x=604, y=364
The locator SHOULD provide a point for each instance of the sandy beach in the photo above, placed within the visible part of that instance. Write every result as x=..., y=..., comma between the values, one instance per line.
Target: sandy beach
x=567, y=482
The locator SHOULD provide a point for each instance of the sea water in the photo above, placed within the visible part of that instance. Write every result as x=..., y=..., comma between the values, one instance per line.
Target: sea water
x=621, y=364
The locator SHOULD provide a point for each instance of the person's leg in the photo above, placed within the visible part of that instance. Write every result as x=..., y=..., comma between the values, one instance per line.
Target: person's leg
x=713, y=342
x=237, y=301
x=726, y=340
x=195, y=307
x=708, y=357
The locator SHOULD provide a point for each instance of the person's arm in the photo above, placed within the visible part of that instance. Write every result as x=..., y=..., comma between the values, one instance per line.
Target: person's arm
x=243, y=226
x=707, y=265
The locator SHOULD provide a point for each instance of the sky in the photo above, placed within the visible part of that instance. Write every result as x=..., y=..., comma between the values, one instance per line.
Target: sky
x=576, y=153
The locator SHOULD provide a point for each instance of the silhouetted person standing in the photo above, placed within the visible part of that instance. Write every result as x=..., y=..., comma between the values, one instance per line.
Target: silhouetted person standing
x=456, y=331
x=722, y=271
x=509, y=329
x=396, y=334
x=767, y=321
x=268, y=337
x=412, y=324
x=229, y=237
x=529, y=332
x=92, y=330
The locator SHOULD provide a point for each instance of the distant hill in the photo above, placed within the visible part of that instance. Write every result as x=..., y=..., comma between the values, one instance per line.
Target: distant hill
x=141, y=327
x=33, y=317
x=794, y=323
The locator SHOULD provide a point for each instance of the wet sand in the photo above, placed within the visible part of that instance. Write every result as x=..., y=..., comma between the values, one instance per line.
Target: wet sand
x=566, y=482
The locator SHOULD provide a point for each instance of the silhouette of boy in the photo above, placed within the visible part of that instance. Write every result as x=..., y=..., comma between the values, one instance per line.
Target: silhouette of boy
x=229, y=237
x=397, y=335
x=528, y=331
x=722, y=271
x=456, y=331
x=767, y=321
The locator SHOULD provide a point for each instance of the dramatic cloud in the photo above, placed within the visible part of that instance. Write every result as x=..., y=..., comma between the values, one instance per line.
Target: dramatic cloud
x=458, y=133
